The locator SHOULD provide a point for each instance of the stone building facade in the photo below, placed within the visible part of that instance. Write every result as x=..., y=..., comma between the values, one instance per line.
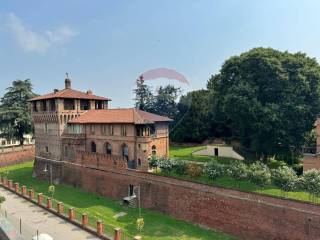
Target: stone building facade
x=73, y=126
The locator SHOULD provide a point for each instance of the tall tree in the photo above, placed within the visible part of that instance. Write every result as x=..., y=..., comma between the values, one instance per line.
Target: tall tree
x=270, y=99
x=191, y=122
x=14, y=112
x=165, y=101
x=143, y=95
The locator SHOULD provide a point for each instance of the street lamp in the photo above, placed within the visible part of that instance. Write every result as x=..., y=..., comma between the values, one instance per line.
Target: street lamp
x=46, y=170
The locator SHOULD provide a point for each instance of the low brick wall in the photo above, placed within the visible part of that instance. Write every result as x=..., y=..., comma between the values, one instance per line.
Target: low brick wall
x=245, y=215
x=18, y=156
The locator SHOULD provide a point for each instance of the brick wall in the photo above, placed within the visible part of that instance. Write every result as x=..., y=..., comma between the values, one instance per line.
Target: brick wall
x=245, y=215
x=310, y=162
x=14, y=157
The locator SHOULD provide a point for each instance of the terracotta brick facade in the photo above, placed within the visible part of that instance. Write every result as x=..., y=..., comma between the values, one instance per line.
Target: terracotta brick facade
x=14, y=157
x=312, y=160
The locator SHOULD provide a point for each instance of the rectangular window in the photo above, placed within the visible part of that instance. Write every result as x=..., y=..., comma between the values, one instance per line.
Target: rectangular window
x=43, y=105
x=104, y=129
x=123, y=130
x=35, y=109
x=52, y=104
x=3, y=142
x=84, y=104
x=110, y=129
x=92, y=129
x=68, y=104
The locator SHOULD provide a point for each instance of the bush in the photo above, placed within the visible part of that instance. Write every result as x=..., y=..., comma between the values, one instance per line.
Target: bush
x=213, y=170
x=180, y=167
x=238, y=171
x=284, y=178
x=194, y=170
x=310, y=182
x=165, y=164
x=274, y=164
x=153, y=161
x=259, y=174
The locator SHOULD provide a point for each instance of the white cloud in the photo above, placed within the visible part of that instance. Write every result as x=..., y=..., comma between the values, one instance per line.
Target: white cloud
x=60, y=35
x=32, y=41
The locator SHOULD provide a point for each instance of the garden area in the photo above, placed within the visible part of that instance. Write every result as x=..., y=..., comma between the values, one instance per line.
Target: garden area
x=156, y=225
x=274, y=178
x=185, y=153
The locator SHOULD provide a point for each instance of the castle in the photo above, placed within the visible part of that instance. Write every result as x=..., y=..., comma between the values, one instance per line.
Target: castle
x=79, y=128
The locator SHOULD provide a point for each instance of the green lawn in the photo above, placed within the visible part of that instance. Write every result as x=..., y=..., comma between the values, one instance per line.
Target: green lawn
x=185, y=153
x=228, y=182
x=157, y=226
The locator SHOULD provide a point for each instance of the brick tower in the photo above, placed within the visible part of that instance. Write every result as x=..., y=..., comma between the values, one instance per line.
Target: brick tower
x=50, y=113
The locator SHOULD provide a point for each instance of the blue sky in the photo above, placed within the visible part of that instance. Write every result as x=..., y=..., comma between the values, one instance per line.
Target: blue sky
x=106, y=45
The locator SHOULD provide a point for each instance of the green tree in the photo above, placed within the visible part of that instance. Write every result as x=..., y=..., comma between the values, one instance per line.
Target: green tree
x=143, y=95
x=14, y=112
x=192, y=122
x=269, y=99
x=165, y=101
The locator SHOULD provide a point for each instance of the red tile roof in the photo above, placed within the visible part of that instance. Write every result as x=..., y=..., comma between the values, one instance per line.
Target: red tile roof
x=129, y=115
x=69, y=93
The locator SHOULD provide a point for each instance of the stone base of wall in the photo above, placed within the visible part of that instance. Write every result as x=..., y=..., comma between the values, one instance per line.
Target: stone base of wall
x=15, y=157
x=41, y=170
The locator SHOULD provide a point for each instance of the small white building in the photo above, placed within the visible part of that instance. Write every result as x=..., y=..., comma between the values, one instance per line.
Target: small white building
x=219, y=151
x=28, y=139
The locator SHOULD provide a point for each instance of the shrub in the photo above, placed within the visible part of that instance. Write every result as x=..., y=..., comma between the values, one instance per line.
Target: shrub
x=213, y=170
x=259, y=174
x=274, y=164
x=153, y=161
x=284, y=178
x=165, y=164
x=238, y=171
x=310, y=182
x=180, y=167
x=194, y=170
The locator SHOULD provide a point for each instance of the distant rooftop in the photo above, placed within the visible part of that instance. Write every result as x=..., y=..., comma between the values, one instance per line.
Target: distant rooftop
x=69, y=93
x=128, y=115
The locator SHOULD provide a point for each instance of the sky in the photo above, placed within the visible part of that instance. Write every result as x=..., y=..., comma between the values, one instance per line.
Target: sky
x=105, y=45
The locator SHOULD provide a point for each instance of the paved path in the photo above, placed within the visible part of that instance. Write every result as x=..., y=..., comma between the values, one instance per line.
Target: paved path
x=35, y=218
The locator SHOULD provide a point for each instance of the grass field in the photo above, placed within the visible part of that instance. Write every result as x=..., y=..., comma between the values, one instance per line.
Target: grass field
x=185, y=153
x=157, y=226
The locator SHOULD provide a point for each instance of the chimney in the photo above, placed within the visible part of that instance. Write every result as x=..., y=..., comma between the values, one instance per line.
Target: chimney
x=55, y=90
x=89, y=92
x=67, y=82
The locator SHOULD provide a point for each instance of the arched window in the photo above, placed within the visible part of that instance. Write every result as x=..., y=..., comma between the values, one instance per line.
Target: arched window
x=125, y=152
x=154, y=150
x=93, y=147
x=108, y=148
